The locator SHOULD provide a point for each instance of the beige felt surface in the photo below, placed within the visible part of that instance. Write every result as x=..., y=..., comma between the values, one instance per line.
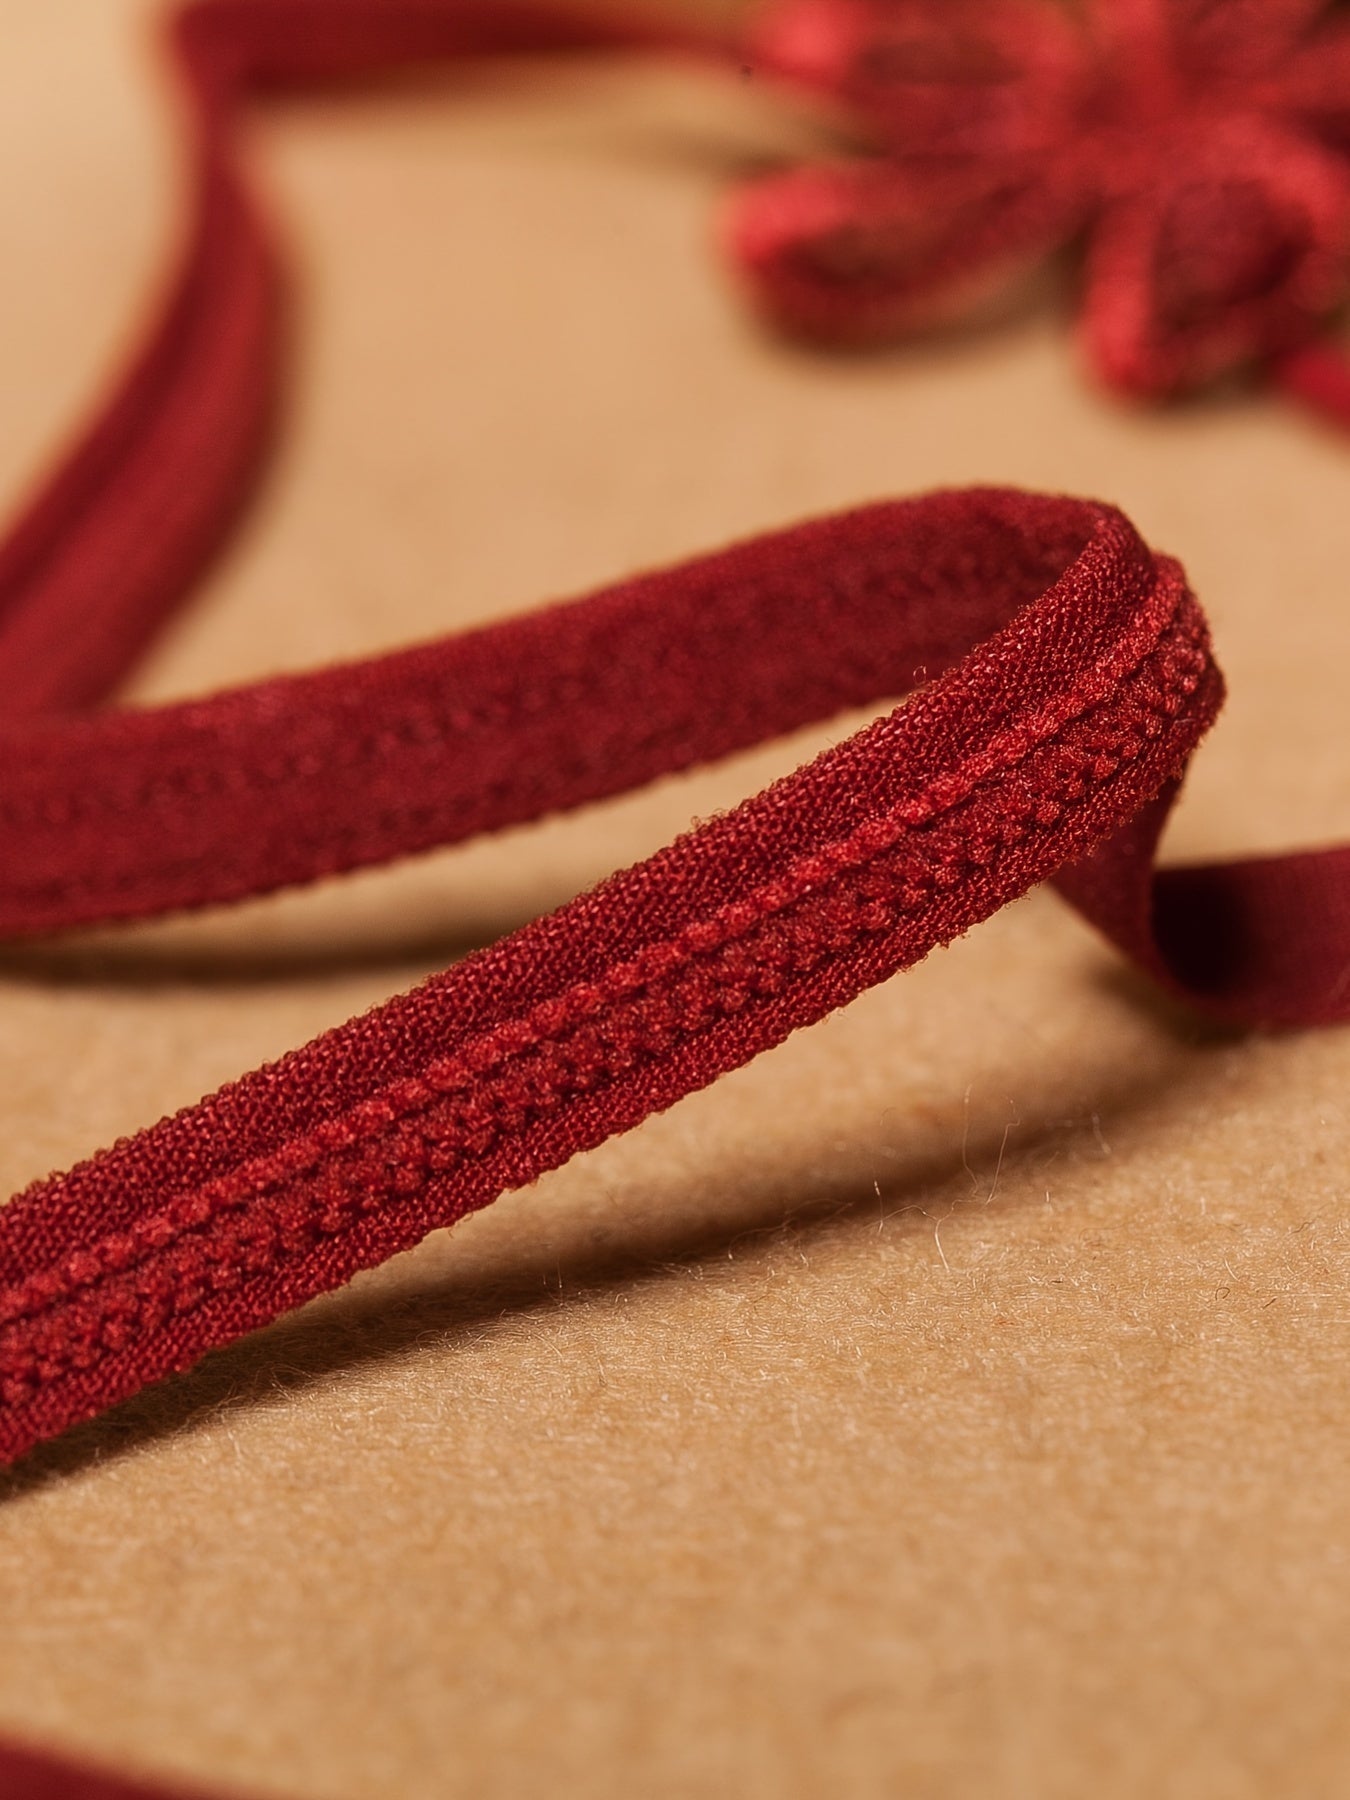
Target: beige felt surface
x=952, y=1404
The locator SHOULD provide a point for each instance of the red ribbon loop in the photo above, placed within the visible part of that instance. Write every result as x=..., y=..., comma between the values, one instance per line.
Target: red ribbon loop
x=1074, y=679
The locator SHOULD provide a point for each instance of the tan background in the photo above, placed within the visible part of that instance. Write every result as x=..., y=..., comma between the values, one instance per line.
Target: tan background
x=951, y=1404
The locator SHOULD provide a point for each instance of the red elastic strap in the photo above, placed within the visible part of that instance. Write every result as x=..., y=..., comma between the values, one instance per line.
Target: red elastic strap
x=1056, y=742
x=1076, y=681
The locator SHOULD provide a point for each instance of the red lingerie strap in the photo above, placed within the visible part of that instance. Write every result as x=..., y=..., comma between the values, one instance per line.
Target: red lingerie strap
x=1076, y=680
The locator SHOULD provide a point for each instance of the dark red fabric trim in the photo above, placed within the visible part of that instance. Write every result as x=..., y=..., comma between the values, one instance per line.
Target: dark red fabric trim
x=1069, y=677
x=1078, y=679
x=1043, y=742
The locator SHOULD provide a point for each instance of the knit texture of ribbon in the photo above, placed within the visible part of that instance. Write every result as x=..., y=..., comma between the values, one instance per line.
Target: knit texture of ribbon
x=1076, y=678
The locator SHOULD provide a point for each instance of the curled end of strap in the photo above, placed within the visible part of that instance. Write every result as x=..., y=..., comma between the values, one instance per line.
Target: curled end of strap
x=1259, y=944
x=1264, y=942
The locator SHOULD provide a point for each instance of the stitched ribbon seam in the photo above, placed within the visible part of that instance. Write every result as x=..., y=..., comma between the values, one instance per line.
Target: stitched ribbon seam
x=876, y=898
x=974, y=824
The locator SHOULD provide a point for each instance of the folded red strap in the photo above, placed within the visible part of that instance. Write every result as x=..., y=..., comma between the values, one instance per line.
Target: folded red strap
x=1047, y=739
x=1076, y=680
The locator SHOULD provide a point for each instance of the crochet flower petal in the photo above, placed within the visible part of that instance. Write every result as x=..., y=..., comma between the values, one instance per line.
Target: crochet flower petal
x=1313, y=86
x=935, y=78
x=1160, y=57
x=1238, y=37
x=1225, y=249
x=868, y=251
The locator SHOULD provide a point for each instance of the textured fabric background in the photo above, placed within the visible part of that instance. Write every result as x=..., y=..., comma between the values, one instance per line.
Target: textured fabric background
x=951, y=1404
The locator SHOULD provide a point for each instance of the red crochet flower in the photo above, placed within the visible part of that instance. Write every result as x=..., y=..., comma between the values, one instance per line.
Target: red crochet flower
x=1199, y=148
